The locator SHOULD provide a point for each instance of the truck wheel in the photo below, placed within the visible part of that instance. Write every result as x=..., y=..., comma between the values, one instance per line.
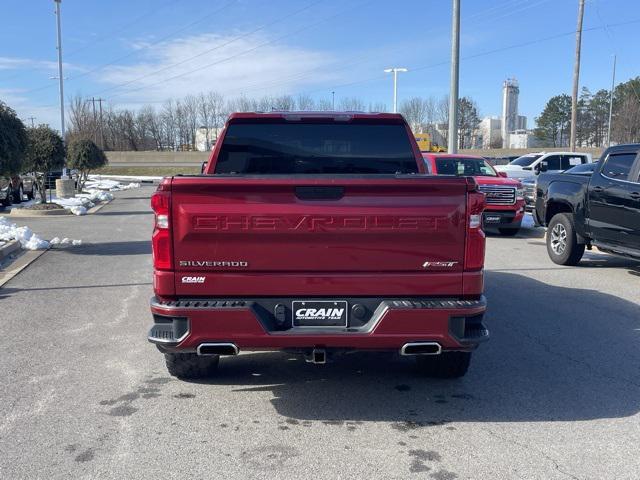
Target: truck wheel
x=7, y=202
x=18, y=195
x=508, y=232
x=562, y=243
x=190, y=365
x=445, y=365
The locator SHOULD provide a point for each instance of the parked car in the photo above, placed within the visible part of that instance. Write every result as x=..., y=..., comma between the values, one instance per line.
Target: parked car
x=505, y=197
x=531, y=164
x=315, y=233
x=601, y=209
x=6, y=191
x=14, y=189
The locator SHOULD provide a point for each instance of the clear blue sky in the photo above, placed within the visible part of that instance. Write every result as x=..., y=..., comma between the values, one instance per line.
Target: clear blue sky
x=127, y=51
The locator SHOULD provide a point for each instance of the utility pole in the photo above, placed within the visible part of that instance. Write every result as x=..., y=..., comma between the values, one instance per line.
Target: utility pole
x=333, y=101
x=95, y=120
x=60, y=77
x=455, y=77
x=100, y=100
x=613, y=86
x=576, y=79
x=395, y=71
x=31, y=119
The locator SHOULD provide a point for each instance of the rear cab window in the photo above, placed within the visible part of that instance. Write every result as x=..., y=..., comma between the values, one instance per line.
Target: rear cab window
x=288, y=147
x=464, y=167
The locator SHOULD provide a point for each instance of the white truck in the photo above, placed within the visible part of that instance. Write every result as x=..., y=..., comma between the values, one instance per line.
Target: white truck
x=531, y=164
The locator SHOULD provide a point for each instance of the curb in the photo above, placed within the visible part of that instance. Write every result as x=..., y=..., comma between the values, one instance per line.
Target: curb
x=9, y=248
x=98, y=207
x=22, y=261
x=23, y=212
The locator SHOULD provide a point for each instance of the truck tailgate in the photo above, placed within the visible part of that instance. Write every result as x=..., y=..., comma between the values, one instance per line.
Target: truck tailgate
x=271, y=234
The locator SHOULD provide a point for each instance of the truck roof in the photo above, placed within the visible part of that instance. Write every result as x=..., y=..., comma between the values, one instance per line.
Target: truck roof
x=330, y=115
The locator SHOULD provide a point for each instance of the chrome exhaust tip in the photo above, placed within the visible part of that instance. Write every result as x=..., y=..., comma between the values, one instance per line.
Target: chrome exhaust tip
x=421, y=348
x=205, y=349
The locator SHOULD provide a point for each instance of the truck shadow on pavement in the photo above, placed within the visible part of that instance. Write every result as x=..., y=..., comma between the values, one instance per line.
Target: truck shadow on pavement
x=556, y=354
x=134, y=247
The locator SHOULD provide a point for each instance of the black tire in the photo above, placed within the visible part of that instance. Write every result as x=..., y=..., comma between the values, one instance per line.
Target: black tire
x=509, y=232
x=7, y=202
x=32, y=194
x=562, y=242
x=18, y=194
x=190, y=365
x=445, y=365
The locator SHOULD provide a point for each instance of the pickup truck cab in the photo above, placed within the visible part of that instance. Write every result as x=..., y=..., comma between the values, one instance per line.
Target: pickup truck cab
x=599, y=208
x=317, y=233
x=504, y=196
x=532, y=164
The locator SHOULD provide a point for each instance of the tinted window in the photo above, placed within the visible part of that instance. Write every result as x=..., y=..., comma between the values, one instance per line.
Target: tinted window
x=618, y=165
x=464, y=167
x=525, y=160
x=569, y=161
x=308, y=148
x=552, y=162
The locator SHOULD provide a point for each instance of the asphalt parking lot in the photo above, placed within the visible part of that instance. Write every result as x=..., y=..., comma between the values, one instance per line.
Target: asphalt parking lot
x=555, y=394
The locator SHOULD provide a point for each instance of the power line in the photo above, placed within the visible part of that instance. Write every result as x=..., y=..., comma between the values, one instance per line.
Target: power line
x=235, y=39
x=147, y=46
x=121, y=29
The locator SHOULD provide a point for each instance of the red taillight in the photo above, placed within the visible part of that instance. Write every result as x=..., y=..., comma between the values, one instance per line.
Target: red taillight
x=474, y=248
x=161, y=238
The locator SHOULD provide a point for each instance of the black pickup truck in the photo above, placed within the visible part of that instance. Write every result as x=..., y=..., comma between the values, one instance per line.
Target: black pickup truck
x=601, y=209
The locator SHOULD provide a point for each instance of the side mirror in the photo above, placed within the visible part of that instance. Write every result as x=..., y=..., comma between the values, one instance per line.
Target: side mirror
x=203, y=167
x=503, y=174
x=542, y=167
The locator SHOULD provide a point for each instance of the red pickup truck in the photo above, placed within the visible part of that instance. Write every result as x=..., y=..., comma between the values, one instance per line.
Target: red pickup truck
x=505, y=196
x=317, y=233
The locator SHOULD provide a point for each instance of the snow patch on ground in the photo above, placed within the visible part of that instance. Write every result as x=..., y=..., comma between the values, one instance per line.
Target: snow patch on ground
x=129, y=178
x=109, y=185
x=28, y=240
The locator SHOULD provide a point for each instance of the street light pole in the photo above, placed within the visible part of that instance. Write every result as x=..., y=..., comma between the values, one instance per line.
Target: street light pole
x=452, y=146
x=60, y=77
x=613, y=86
x=395, y=71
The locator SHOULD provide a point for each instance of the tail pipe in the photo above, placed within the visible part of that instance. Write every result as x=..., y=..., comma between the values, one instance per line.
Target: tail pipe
x=205, y=349
x=421, y=348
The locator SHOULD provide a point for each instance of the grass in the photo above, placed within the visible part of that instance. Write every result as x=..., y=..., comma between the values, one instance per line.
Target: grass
x=147, y=171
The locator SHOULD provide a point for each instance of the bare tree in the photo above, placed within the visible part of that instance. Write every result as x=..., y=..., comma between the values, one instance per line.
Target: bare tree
x=442, y=116
x=285, y=103
x=378, y=107
x=305, y=102
x=169, y=126
x=352, y=104
x=324, y=105
x=414, y=110
x=190, y=105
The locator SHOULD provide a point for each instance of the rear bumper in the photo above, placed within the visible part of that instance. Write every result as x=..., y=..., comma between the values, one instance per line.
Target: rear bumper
x=184, y=325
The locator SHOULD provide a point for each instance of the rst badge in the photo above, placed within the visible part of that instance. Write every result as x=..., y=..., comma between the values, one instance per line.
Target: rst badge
x=439, y=264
